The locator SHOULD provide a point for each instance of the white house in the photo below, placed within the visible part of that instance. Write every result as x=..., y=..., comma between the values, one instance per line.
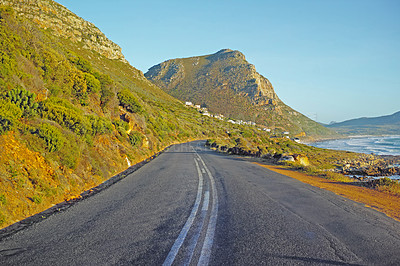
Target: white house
x=189, y=104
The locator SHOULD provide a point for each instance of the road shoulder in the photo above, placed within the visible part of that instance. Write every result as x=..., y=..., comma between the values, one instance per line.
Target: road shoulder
x=380, y=201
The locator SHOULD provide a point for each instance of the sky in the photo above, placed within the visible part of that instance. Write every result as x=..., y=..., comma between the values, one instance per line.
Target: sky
x=331, y=60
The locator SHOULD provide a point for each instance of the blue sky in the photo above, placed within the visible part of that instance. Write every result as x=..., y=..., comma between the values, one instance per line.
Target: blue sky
x=332, y=60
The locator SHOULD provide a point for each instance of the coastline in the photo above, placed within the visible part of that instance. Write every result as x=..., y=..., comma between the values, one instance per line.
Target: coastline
x=380, y=145
x=308, y=142
x=348, y=137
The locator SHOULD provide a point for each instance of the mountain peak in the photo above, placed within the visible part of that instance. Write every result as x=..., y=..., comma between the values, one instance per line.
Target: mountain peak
x=226, y=54
x=224, y=51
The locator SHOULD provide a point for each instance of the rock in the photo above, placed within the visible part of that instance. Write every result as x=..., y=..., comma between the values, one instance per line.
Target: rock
x=63, y=23
x=301, y=159
x=288, y=158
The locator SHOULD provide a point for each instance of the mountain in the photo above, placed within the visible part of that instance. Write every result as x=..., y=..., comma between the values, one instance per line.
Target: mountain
x=227, y=84
x=382, y=125
x=73, y=112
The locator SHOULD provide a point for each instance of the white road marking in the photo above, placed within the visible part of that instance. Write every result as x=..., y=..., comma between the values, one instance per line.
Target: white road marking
x=209, y=239
x=181, y=238
x=193, y=243
x=206, y=201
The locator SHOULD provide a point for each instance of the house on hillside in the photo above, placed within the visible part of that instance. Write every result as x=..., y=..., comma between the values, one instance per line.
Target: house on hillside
x=189, y=104
x=220, y=117
x=197, y=106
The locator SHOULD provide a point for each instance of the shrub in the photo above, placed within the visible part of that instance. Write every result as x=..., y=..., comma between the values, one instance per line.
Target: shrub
x=9, y=114
x=135, y=138
x=80, y=63
x=52, y=136
x=25, y=100
x=3, y=200
x=79, y=88
x=100, y=125
x=121, y=126
x=37, y=199
x=65, y=114
x=129, y=101
x=3, y=219
x=93, y=84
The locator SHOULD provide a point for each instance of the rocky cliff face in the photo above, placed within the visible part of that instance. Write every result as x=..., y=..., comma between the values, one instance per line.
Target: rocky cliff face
x=227, y=84
x=63, y=23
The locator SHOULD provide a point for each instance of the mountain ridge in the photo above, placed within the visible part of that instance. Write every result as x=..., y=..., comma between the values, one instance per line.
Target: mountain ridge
x=387, y=124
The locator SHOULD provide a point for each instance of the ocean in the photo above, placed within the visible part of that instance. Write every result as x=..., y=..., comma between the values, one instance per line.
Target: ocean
x=385, y=145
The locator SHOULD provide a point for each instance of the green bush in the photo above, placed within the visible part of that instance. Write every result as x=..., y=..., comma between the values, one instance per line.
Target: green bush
x=25, y=100
x=9, y=114
x=80, y=63
x=121, y=126
x=37, y=199
x=93, y=84
x=100, y=125
x=129, y=101
x=135, y=138
x=66, y=115
x=79, y=87
x=52, y=136
x=3, y=200
x=3, y=218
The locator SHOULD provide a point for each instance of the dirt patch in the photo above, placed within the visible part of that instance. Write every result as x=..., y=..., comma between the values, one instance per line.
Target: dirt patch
x=380, y=201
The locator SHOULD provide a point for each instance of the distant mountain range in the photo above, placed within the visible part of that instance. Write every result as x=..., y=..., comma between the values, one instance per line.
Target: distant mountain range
x=388, y=124
x=227, y=84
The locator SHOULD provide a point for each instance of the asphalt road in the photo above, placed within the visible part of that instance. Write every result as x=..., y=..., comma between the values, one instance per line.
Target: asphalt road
x=192, y=206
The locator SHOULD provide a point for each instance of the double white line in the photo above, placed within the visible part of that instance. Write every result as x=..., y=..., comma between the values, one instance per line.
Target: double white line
x=209, y=238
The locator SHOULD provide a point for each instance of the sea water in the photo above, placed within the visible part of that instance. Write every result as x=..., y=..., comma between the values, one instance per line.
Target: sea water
x=385, y=145
x=382, y=145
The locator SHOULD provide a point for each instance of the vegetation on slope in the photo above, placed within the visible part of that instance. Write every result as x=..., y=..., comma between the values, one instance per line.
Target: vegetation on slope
x=71, y=118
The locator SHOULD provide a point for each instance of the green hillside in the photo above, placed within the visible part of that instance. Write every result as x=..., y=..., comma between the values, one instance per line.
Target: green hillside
x=227, y=84
x=73, y=112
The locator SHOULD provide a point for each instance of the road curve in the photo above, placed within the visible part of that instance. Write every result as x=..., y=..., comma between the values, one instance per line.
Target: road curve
x=192, y=206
